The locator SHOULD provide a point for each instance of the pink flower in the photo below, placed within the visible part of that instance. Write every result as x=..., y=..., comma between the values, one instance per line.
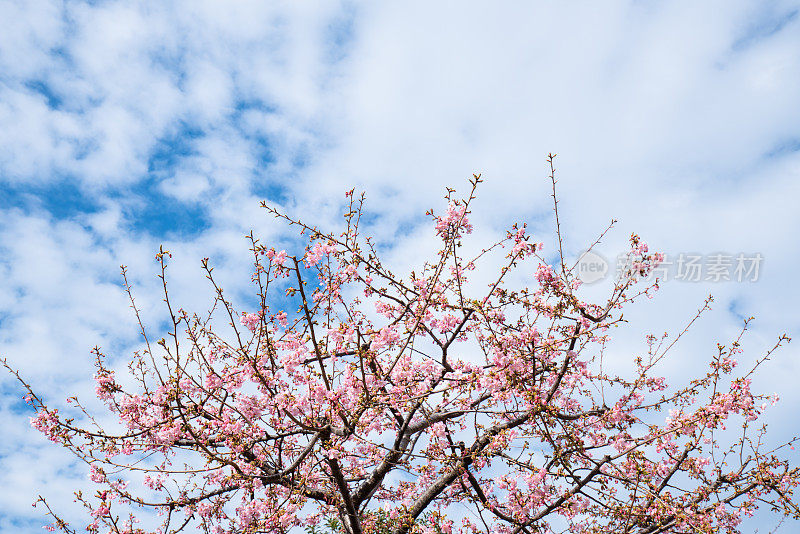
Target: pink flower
x=282, y=319
x=101, y=511
x=96, y=474
x=251, y=320
x=454, y=221
x=317, y=251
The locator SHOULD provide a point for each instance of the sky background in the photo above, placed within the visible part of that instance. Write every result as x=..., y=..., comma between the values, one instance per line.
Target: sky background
x=126, y=125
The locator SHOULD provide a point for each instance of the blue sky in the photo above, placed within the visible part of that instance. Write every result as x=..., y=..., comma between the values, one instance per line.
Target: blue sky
x=125, y=125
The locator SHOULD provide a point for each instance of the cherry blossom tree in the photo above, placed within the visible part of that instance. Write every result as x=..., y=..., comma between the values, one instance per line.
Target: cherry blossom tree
x=419, y=403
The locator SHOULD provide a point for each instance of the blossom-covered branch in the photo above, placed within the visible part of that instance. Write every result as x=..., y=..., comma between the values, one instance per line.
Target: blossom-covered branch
x=383, y=401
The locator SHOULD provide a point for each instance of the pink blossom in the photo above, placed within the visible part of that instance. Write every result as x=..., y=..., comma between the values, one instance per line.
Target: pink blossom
x=454, y=221
x=315, y=254
x=251, y=321
x=96, y=474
